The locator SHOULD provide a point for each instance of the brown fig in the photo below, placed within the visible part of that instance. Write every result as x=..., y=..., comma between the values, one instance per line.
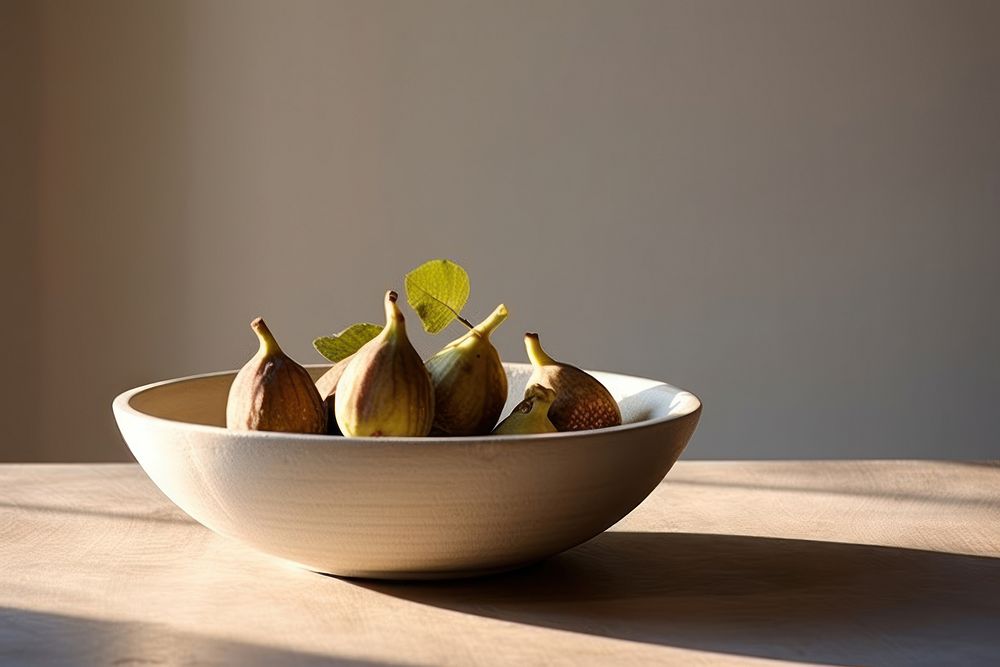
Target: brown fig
x=273, y=393
x=581, y=401
x=327, y=387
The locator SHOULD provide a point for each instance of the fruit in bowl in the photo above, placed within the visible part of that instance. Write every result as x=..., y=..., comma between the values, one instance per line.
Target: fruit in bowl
x=405, y=507
x=383, y=466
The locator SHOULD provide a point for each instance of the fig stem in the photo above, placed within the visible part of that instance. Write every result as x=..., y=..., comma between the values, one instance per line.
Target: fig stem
x=496, y=318
x=535, y=352
x=268, y=345
x=393, y=315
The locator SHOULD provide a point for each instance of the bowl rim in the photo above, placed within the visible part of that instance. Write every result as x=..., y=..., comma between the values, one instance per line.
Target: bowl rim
x=122, y=407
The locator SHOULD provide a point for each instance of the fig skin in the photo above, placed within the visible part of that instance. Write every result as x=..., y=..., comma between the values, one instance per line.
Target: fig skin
x=385, y=389
x=273, y=393
x=581, y=401
x=470, y=383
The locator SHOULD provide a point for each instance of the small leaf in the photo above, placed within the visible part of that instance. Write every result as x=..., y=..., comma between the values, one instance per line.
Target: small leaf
x=347, y=342
x=437, y=290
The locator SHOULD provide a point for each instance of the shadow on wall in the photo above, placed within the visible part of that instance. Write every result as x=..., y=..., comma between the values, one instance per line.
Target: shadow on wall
x=116, y=255
x=30, y=637
x=823, y=602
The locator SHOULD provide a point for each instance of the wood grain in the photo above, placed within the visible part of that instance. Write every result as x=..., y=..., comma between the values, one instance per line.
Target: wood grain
x=832, y=563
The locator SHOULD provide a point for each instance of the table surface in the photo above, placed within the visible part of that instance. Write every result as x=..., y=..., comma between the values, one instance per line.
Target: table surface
x=830, y=563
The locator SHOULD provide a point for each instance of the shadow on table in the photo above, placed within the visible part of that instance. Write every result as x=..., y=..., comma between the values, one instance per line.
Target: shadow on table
x=37, y=638
x=822, y=602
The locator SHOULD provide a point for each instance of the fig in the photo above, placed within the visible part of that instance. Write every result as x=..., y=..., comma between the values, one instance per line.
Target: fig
x=327, y=387
x=385, y=389
x=530, y=415
x=470, y=384
x=273, y=393
x=581, y=401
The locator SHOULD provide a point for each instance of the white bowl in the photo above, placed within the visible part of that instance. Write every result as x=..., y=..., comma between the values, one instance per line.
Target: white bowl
x=404, y=508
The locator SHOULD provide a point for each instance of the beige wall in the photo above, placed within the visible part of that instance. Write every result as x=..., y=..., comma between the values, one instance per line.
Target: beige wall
x=792, y=208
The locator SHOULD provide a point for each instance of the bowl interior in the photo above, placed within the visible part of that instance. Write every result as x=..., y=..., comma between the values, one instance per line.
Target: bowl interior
x=202, y=399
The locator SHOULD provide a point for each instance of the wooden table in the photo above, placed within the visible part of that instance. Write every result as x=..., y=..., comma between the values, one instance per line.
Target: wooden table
x=831, y=563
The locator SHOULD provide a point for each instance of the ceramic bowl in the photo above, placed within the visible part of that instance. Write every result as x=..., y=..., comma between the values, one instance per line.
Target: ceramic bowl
x=404, y=508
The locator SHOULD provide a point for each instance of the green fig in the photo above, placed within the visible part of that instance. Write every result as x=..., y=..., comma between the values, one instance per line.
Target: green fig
x=385, y=389
x=273, y=393
x=470, y=384
x=530, y=415
x=581, y=401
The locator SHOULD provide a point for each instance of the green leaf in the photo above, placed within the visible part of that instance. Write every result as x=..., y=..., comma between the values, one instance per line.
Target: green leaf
x=347, y=342
x=437, y=290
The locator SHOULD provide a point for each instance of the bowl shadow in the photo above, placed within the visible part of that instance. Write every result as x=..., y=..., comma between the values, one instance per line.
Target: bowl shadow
x=822, y=602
